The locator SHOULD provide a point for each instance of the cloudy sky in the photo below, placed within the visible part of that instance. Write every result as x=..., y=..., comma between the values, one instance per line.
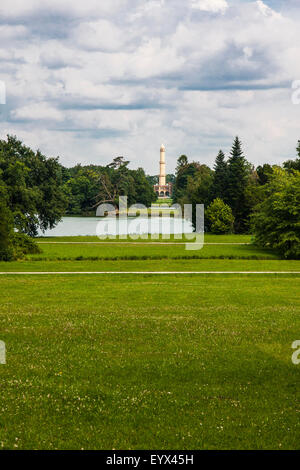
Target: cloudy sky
x=89, y=80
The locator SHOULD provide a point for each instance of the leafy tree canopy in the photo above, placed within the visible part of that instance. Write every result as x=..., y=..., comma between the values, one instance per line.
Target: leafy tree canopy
x=118, y=180
x=184, y=171
x=219, y=217
x=264, y=173
x=276, y=221
x=33, y=185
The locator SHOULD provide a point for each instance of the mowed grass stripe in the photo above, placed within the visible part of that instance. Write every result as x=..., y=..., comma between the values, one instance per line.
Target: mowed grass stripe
x=136, y=243
x=145, y=272
x=148, y=265
x=126, y=251
x=208, y=238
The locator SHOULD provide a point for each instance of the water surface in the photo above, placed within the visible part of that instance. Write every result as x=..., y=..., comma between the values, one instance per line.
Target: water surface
x=84, y=226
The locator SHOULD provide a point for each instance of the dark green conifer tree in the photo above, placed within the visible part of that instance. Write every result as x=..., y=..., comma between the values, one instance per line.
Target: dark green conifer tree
x=238, y=177
x=220, y=176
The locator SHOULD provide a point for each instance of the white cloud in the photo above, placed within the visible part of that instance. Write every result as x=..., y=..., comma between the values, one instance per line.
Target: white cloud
x=153, y=58
x=99, y=35
x=9, y=32
x=38, y=111
x=210, y=5
x=79, y=8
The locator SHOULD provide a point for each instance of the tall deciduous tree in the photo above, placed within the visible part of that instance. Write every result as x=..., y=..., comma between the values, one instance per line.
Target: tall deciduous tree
x=114, y=181
x=198, y=189
x=293, y=164
x=143, y=190
x=182, y=161
x=276, y=221
x=118, y=180
x=184, y=171
x=34, y=186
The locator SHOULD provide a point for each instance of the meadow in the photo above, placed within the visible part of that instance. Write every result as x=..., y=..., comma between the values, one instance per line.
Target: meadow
x=194, y=361
x=146, y=251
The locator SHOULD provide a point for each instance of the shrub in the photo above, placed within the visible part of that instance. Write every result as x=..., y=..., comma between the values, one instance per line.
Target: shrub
x=219, y=217
x=24, y=245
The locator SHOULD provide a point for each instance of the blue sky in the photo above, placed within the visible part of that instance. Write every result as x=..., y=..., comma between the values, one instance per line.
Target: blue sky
x=92, y=80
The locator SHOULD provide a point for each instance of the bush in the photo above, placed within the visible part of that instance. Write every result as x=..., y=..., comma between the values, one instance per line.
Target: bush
x=219, y=217
x=276, y=221
x=24, y=245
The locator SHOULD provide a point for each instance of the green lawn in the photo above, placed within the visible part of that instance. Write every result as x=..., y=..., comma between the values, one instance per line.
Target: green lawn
x=147, y=361
x=163, y=201
x=152, y=265
x=128, y=251
x=209, y=238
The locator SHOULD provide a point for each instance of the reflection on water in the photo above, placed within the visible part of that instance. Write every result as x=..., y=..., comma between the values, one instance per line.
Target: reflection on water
x=76, y=226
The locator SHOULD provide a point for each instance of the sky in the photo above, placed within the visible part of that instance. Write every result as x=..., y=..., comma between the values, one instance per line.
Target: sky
x=91, y=80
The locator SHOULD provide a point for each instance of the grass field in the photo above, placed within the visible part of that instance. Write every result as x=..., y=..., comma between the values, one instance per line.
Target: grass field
x=163, y=201
x=209, y=238
x=146, y=361
x=128, y=251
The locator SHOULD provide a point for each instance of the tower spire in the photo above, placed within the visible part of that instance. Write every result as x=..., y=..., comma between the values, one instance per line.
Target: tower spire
x=163, y=189
x=162, y=164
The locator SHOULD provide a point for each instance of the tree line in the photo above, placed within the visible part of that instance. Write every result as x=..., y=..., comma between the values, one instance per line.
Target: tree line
x=240, y=198
x=35, y=192
x=88, y=186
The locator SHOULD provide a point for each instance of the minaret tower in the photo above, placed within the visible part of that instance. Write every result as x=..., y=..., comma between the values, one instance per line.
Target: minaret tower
x=162, y=172
x=163, y=189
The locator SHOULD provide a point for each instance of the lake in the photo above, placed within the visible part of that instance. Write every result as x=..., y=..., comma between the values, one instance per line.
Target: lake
x=81, y=226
